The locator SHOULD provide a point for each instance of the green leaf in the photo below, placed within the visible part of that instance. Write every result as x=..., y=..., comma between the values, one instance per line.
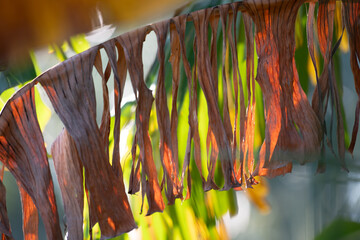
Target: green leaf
x=79, y=43
x=17, y=74
x=340, y=229
x=59, y=52
x=5, y=96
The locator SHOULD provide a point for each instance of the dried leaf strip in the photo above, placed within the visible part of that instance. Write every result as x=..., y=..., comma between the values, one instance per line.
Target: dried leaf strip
x=23, y=152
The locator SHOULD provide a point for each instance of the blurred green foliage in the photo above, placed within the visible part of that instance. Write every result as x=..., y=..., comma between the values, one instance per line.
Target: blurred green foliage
x=340, y=229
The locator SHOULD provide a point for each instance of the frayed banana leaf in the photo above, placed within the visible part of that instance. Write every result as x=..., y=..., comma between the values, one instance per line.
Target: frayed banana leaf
x=5, y=231
x=294, y=129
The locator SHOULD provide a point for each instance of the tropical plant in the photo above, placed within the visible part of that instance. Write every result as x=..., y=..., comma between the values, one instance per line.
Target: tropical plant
x=222, y=148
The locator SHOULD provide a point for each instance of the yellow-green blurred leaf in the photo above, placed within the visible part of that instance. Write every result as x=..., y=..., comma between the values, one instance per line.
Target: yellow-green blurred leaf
x=79, y=43
x=258, y=195
x=43, y=112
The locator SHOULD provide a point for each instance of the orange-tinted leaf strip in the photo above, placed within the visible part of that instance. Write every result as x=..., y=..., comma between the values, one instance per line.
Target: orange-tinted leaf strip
x=173, y=186
x=76, y=108
x=69, y=172
x=30, y=216
x=23, y=152
x=5, y=230
x=288, y=136
x=238, y=82
x=132, y=44
x=250, y=80
x=191, y=76
x=351, y=13
x=210, y=139
x=175, y=57
x=179, y=24
x=237, y=153
x=226, y=24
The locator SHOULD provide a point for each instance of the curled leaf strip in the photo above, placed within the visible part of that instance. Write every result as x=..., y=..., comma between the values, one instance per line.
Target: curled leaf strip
x=5, y=230
x=23, y=152
x=76, y=108
x=351, y=13
x=69, y=172
x=132, y=44
x=288, y=136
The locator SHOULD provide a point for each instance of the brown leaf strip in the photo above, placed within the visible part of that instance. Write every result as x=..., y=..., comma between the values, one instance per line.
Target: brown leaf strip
x=238, y=82
x=77, y=109
x=186, y=167
x=30, y=216
x=23, y=152
x=132, y=44
x=173, y=185
x=310, y=44
x=214, y=22
x=119, y=70
x=310, y=40
x=174, y=60
x=210, y=139
x=180, y=25
x=250, y=80
x=327, y=81
x=288, y=136
x=105, y=118
x=232, y=36
x=5, y=229
x=226, y=24
x=118, y=94
x=351, y=14
x=193, y=119
x=210, y=184
x=134, y=181
x=325, y=24
x=324, y=88
x=339, y=120
x=69, y=173
x=355, y=128
x=200, y=20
